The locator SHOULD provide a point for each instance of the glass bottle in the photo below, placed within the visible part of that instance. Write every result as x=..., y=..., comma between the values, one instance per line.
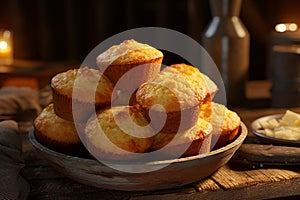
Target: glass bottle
x=227, y=41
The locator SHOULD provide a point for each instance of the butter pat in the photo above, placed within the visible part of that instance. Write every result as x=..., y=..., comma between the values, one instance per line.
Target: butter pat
x=290, y=119
x=287, y=128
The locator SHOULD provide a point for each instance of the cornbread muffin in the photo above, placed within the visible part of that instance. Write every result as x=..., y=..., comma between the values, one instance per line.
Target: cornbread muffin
x=178, y=98
x=201, y=81
x=225, y=123
x=92, y=91
x=109, y=135
x=56, y=133
x=194, y=141
x=142, y=60
x=124, y=98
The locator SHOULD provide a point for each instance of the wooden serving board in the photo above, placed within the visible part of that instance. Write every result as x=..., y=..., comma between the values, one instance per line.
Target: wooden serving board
x=256, y=153
x=266, y=156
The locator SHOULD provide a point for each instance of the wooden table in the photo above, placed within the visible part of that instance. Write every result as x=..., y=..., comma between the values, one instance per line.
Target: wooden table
x=229, y=182
x=235, y=180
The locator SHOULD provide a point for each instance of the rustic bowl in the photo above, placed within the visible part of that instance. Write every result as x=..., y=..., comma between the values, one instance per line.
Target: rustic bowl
x=179, y=172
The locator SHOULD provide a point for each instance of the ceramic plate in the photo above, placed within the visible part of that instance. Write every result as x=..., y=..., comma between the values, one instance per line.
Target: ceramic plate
x=255, y=125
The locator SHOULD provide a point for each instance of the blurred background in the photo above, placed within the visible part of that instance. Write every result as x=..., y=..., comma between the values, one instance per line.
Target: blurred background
x=58, y=30
x=67, y=29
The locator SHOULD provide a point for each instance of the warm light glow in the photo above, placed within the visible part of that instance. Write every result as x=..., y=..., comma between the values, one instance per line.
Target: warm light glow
x=6, y=51
x=293, y=27
x=280, y=28
x=3, y=45
x=286, y=27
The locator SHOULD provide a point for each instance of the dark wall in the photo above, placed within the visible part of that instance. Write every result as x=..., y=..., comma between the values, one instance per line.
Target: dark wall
x=69, y=29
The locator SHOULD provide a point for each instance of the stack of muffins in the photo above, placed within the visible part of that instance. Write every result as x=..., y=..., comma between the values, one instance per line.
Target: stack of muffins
x=139, y=108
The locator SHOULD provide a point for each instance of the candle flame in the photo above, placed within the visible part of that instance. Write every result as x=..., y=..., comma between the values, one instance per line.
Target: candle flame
x=3, y=45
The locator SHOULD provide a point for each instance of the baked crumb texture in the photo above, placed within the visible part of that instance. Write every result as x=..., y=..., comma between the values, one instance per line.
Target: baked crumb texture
x=170, y=110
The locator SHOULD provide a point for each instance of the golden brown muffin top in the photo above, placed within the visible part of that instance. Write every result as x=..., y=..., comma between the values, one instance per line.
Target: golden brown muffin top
x=88, y=81
x=200, y=80
x=128, y=52
x=110, y=131
x=171, y=89
x=56, y=128
x=219, y=115
x=198, y=132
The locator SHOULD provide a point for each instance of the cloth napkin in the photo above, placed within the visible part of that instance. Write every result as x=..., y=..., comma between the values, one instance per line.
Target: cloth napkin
x=19, y=103
x=12, y=184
